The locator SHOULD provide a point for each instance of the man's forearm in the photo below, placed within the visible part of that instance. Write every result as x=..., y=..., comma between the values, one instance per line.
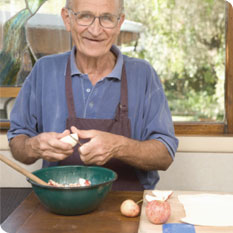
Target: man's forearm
x=146, y=155
x=20, y=149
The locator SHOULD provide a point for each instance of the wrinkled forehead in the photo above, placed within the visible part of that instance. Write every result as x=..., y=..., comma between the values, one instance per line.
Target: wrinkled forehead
x=98, y=6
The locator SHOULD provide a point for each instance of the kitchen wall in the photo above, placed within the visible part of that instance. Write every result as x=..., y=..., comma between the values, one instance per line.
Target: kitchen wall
x=199, y=171
x=201, y=163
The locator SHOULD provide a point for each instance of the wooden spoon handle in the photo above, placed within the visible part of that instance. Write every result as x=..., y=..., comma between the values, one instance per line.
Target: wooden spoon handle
x=22, y=170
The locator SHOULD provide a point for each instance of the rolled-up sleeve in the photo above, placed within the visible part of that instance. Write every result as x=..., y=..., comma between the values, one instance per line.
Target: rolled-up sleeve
x=156, y=120
x=149, y=113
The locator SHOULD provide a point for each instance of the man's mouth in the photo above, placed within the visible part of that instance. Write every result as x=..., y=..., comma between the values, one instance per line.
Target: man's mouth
x=93, y=40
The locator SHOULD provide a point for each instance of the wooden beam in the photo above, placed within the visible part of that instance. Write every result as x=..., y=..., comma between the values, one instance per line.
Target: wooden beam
x=6, y=92
x=4, y=126
x=199, y=128
x=229, y=71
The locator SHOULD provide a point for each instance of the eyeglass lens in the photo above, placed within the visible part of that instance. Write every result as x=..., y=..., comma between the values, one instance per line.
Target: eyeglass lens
x=106, y=20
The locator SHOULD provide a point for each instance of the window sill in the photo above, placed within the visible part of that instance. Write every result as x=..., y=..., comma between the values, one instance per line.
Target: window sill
x=213, y=144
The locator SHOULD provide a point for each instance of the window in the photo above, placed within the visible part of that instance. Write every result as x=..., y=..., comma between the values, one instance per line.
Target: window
x=225, y=127
x=202, y=60
x=32, y=38
x=223, y=124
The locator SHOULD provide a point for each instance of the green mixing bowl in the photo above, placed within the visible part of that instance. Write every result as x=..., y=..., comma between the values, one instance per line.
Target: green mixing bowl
x=73, y=200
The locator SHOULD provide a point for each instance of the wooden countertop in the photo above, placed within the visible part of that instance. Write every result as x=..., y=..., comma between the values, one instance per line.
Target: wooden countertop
x=30, y=216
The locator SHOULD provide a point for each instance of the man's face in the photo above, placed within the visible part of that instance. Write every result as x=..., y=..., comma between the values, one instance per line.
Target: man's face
x=93, y=40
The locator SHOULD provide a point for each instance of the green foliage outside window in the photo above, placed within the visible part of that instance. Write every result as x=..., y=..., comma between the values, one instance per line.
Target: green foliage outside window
x=185, y=42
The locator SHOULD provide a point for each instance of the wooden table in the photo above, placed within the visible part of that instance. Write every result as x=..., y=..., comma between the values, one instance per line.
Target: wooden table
x=31, y=217
x=10, y=199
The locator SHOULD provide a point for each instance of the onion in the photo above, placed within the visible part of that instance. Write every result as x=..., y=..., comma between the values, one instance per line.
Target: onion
x=158, y=212
x=130, y=208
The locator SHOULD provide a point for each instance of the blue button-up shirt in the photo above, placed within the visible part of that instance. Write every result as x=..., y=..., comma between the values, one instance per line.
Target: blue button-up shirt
x=41, y=104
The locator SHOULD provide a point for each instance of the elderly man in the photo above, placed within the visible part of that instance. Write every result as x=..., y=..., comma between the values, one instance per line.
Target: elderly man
x=116, y=104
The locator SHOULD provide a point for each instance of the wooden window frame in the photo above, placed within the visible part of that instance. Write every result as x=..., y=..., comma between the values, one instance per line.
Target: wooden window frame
x=188, y=128
x=7, y=92
x=226, y=127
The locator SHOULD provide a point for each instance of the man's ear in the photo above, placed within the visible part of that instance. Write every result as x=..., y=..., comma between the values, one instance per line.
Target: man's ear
x=66, y=18
x=122, y=19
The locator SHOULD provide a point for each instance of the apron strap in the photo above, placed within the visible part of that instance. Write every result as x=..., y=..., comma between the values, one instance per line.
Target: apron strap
x=122, y=109
x=69, y=92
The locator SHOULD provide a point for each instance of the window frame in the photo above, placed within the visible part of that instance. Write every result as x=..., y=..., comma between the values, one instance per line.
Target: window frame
x=187, y=128
x=226, y=127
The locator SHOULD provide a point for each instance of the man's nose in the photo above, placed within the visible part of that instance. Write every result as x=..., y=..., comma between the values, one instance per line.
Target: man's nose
x=95, y=28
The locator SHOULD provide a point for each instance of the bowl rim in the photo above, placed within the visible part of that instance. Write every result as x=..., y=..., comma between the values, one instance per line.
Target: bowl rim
x=73, y=188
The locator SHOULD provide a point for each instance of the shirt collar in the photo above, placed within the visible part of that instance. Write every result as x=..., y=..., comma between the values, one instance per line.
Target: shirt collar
x=73, y=66
x=116, y=72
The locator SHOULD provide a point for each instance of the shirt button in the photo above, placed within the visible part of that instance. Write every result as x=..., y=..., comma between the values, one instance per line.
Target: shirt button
x=88, y=90
x=91, y=105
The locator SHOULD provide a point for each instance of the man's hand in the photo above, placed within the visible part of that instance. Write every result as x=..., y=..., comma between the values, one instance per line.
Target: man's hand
x=45, y=146
x=100, y=148
x=49, y=147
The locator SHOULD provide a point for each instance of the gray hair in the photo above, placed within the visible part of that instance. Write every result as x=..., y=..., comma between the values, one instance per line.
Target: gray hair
x=121, y=2
x=68, y=3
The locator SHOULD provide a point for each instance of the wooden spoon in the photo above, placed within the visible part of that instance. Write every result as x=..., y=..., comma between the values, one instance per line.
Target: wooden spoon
x=22, y=170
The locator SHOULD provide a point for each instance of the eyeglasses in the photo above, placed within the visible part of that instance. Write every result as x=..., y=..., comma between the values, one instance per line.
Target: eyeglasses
x=85, y=18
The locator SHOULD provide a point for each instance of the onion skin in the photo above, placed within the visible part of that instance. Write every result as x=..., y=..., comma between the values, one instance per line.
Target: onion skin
x=158, y=212
x=130, y=208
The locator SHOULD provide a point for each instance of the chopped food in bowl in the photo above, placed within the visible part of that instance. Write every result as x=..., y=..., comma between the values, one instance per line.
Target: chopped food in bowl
x=81, y=183
x=74, y=189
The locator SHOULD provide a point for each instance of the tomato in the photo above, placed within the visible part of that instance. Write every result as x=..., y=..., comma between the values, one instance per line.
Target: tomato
x=87, y=182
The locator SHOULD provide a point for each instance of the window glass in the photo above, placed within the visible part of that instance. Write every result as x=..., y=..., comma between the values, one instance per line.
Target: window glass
x=29, y=29
x=185, y=42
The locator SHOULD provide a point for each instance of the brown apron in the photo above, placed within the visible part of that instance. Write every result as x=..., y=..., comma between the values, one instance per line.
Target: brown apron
x=127, y=179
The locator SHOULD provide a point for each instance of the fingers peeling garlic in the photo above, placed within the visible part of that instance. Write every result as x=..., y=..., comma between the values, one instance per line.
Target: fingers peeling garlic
x=72, y=139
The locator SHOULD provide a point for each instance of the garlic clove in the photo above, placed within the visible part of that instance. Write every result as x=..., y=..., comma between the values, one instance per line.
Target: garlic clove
x=70, y=139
